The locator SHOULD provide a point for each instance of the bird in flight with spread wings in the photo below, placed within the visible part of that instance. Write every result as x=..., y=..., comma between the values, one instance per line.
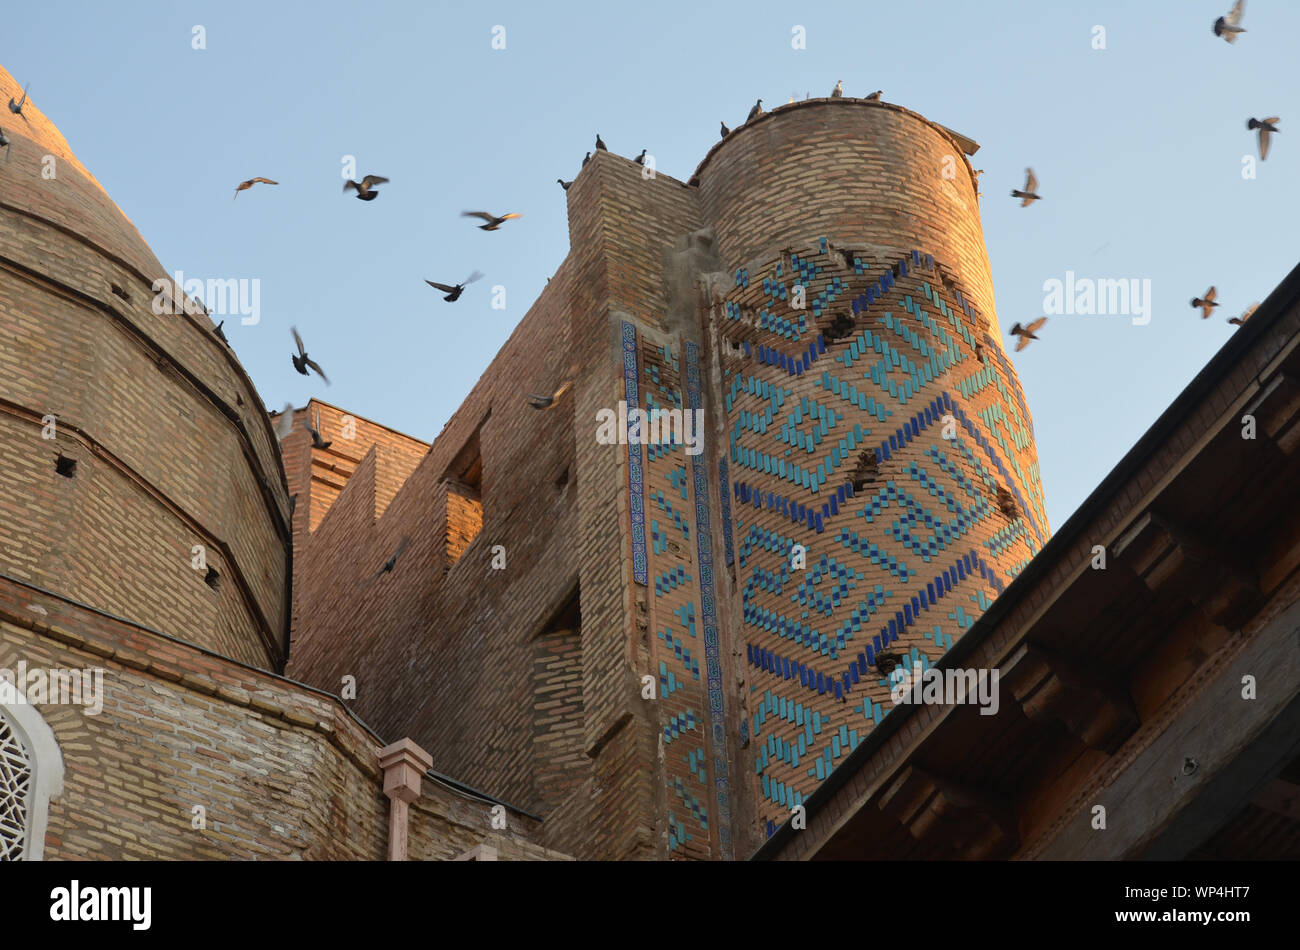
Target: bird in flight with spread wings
x=302, y=361
x=1026, y=334
x=493, y=221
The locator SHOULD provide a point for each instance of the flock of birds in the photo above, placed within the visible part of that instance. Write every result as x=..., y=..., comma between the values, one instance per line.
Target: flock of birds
x=305, y=365
x=836, y=93
x=1229, y=28
x=600, y=147
x=366, y=190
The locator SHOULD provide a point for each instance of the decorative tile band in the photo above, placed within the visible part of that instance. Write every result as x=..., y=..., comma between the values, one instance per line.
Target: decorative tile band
x=712, y=651
x=635, y=473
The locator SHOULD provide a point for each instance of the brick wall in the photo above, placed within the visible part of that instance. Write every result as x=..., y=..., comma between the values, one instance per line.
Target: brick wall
x=281, y=772
x=461, y=634
x=468, y=659
x=489, y=701
x=316, y=476
x=558, y=753
x=464, y=520
x=350, y=438
x=174, y=448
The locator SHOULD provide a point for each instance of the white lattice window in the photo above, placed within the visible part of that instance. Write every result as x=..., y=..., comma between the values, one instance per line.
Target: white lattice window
x=15, y=793
x=31, y=775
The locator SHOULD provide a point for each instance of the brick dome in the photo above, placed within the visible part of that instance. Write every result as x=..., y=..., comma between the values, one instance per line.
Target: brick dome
x=172, y=447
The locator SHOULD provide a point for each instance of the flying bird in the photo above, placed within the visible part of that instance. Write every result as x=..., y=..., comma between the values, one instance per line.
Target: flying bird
x=600, y=144
x=284, y=421
x=221, y=336
x=1246, y=315
x=756, y=111
x=875, y=96
x=245, y=185
x=1266, y=128
x=1027, y=333
x=564, y=184
x=586, y=160
x=392, y=561
x=17, y=107
x=1030, y=194
x=4, y=139
x=453, y=292
x=1227, y=26
x=838, y=91
x=493, y=222
x=545, y=402
x=725, y=131
x=640, y=159
x=365, y=187
x=302, y=361
x=316, y=441
x=1206, y=303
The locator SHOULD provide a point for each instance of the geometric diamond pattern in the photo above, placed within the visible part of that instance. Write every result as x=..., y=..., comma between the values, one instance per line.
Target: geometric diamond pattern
x=882, y=450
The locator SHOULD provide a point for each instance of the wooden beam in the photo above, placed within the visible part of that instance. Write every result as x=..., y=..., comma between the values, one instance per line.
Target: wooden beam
x=1164, y=550
x=1097, y=710
x=974, y=822
x=1158, y=806
x=1277, y=411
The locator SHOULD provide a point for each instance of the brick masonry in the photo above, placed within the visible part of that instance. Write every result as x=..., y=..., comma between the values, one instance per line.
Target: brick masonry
x=281, y=772
x=172, y=443
x=539, y=578
x=173, y=448
x=675, y=583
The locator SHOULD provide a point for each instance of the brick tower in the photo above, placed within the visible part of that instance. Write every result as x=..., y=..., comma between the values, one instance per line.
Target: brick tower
x=655, y=674
x=869, y=483
x=875, y=449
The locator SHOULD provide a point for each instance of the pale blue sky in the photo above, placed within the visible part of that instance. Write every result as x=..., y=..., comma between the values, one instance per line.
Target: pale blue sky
x=1138, y=151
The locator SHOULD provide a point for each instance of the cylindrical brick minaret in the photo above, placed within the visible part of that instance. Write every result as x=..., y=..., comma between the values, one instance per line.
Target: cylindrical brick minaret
x=138, y=471
x=880, y=467
x=870, y=173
